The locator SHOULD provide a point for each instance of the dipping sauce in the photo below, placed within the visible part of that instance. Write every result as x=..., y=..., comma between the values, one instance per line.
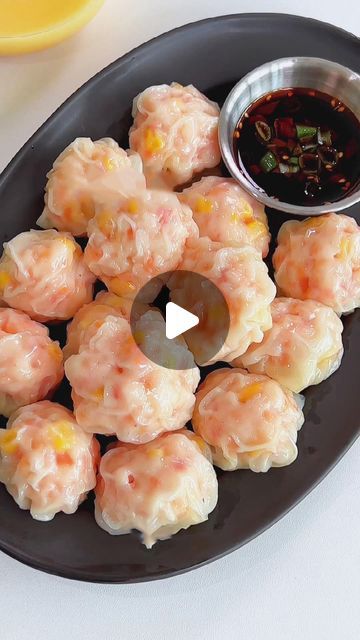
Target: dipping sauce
x=300, y=146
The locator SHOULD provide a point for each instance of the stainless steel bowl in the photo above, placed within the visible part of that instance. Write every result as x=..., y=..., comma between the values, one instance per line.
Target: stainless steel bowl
x=312, y=73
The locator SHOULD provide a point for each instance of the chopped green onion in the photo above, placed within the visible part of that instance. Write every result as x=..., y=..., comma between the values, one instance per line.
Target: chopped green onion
x=294, y=168
x=268, y=162
x=294, y=160
x=305, y=132
x=263, y=131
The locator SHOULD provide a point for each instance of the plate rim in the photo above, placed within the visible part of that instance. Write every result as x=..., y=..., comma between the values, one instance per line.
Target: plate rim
x=80, y=574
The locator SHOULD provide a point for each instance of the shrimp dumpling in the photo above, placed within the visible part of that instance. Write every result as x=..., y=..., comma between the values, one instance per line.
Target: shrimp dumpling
x=90, y=317
x=224, y=212
x=47, y=462
x=249, y=420
x=319, y=259
x=44, y=274
x=303, y=346
x=117, y=390
x=83, y=175
x=242, y=277
x=157, y=488
x=138, y=240
x=175, y=131
x=31, y=364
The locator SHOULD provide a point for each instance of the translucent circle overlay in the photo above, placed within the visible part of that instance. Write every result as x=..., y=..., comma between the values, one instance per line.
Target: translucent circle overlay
x=197, y=295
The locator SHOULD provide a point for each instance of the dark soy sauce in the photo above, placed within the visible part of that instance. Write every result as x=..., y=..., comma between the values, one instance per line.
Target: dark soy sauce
x=300, y=146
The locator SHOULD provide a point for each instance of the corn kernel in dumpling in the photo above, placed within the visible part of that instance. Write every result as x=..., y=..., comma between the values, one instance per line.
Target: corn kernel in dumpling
x=224, y=212
x=242, y=277
x=175, y=131
x=249, y=420
x=137, y=240
x=117, y=390
x=44, y=274
x=31, y=364
x=83, y=175
x=157, y=488
x=47, y=462
x=90, y=317
x=319, y=259
x=303, y=346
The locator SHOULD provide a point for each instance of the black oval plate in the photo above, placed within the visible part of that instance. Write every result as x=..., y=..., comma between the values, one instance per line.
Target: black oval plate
x=213, y=55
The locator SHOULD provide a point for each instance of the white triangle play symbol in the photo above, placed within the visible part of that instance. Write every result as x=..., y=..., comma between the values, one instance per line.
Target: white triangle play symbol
x=178, y=320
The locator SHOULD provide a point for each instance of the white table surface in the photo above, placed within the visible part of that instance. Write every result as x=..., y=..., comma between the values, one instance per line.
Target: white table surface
x=301, y=579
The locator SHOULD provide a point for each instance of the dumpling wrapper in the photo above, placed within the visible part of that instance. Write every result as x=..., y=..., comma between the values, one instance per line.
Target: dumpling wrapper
x=319, y=259
x=84, y=175
x=175, y=131
x=157, y=488
x=137, y=240
x=117, y=390
x=31, y=364
x=44, y=274
x=302, y=348
x=224, y=212
x=243, y=280
x=248, y=420
x=47, y=462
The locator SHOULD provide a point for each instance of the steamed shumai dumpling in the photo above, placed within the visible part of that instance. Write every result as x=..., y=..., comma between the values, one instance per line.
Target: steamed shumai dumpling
x=175, y=131
x=31, y=364
x=137, y=240
x=117, y=390
x=43, y=273
x=47, y=462
x=242, y=277
x=83, y=175
x=249, y=420
x=303, y=346
x=319, y=259
x=157, y=488
x=90, y=317
x=224, y=212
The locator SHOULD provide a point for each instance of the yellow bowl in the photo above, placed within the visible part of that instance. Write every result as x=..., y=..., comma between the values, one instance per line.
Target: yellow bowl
x=30, y=25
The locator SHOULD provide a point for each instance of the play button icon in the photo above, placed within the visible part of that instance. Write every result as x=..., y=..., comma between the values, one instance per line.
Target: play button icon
x=178, y=320
x=195, y=315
